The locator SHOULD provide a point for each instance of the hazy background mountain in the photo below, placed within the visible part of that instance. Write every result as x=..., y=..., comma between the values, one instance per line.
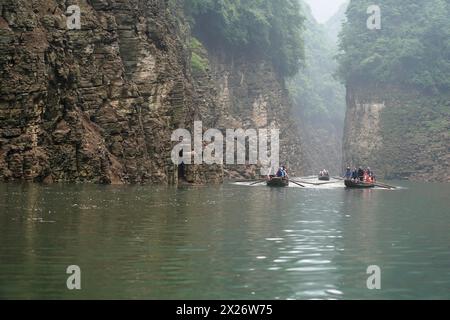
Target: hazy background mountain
x=324, y=10
x=334, y=25
x=319, y=98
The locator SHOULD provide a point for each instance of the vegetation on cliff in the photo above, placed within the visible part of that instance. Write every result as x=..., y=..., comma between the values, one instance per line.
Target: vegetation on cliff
x=398, y=80
x=199, y=61
x=411, y=49
x=271, y=29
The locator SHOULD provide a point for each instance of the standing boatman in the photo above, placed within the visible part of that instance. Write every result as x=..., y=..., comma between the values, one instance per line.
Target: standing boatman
x=348, y=173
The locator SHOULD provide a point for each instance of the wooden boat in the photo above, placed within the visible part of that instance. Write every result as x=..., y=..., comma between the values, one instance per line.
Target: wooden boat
x=358, y=185
x=324, y=178
x=278, y=182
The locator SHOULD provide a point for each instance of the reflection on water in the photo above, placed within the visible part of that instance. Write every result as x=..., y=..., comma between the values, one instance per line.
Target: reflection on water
x=227, y=242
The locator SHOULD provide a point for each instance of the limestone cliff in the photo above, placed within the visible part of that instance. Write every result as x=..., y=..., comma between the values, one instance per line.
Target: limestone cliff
x=248, y=93
x=401, y=133
x=97, y=104
x=323, y=146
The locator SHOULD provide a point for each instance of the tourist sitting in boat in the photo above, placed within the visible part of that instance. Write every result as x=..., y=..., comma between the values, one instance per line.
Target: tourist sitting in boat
x=282, y=173
x=324, y=173
x=279, y=173
x=368, y=179
x=371, y=175
x=354, y=174
x=366, y=176
x=360, y=174
x=348, y=173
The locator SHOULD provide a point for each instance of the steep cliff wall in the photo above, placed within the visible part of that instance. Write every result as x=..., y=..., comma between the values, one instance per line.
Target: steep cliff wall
x=249, y=94
x=401, y=133
x=323, y=146
x=398, y=84
x=97, y=104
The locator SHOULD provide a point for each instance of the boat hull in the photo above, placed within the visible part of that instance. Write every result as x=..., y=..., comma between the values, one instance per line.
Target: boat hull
x=278, y=182
x=324, y=178
x=358, y=185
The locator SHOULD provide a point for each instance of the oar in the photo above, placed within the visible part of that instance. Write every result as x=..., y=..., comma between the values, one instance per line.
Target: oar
x=247, y=180
x=383, y=185
x=320, y=183
x=306, y=182
x=315, y=183
x=260, y=181
x=331, y=182
x=298, y=184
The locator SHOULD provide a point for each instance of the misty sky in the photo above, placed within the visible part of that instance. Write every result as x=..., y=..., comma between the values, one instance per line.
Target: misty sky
x=324, y=9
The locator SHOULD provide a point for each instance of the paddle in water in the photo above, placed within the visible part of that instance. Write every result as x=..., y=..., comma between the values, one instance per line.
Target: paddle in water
x=259, y=181
x=383, y=185
x=298, y=184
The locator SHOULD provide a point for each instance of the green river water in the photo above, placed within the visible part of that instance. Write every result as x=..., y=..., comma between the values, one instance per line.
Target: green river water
x=224, y=242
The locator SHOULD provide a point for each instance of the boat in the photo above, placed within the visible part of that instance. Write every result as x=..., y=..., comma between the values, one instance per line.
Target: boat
x=278, y=182
x=358, y=185
x=324, y=175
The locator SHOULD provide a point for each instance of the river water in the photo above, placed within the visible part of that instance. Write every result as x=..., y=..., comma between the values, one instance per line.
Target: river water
x=224, y=242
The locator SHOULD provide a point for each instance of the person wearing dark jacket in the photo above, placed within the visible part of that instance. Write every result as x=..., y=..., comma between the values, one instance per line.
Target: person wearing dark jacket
x=354, y=174
x=361, y=174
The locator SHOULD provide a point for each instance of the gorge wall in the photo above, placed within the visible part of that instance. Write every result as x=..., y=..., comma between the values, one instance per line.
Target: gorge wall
x=249, y=94
x=99, y=104
x=401, y=133
x=398, y=82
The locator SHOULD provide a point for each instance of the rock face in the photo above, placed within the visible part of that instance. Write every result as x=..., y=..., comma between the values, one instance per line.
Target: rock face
x=249, y=94
x=97, y=104
x=401, y=133
x=324, y=147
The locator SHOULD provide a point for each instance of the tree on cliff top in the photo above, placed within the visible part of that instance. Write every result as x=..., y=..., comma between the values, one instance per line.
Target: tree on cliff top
x=412, y=48
x=271, y=29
